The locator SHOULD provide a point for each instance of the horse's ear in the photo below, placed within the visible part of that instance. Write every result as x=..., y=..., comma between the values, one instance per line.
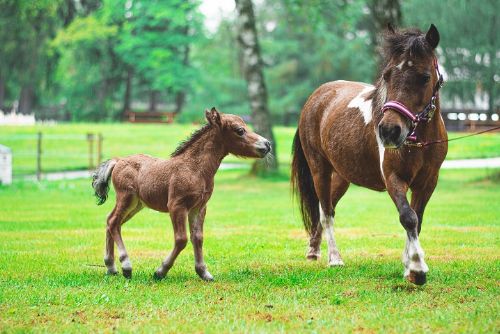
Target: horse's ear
x=213, y=117
x=432, y=36
x=391, y=28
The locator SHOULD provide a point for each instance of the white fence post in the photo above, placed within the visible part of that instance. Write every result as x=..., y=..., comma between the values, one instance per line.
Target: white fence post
x=5, y=165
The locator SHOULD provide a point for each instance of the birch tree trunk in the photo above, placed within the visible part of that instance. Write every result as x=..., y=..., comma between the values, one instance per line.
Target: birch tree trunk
x=252, y=69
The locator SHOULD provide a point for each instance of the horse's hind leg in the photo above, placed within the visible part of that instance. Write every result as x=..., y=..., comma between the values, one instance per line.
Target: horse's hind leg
x=338, y=187
x=329, y=187
x=109, y=257
x=126, y=207
x=178, y=216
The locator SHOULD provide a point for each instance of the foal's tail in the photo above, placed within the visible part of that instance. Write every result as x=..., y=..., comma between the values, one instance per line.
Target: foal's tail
x=100, y=180
x=302, y=184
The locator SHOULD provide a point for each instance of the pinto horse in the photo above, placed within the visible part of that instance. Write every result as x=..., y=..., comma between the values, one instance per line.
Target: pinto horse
x=180, y=186
x=376, y=137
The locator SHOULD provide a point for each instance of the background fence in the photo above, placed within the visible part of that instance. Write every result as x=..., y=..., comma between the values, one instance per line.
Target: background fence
x=39, y=153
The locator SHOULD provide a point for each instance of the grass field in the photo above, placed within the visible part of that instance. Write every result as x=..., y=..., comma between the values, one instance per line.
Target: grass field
x=65, y=147
x=52, y=233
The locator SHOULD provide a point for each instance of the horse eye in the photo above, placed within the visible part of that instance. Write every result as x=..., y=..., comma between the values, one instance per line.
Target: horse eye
x=240, y=131
x=423, y=78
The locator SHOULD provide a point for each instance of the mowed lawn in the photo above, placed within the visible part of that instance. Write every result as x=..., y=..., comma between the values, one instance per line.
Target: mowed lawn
x=52, y=236
x=64, y=146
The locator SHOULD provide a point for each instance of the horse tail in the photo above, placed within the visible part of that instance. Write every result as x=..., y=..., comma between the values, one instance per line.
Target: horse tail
x=303, y=186
x=100, y=180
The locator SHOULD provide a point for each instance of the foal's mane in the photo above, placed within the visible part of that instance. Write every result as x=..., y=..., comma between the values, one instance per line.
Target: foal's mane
x=183, y=146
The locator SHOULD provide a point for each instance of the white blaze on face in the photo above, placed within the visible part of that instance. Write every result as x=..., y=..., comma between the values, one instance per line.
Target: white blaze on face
x=364, y=106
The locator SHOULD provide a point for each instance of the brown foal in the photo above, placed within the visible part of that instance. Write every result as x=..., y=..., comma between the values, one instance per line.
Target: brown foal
x=180, y=186
x=374, y=136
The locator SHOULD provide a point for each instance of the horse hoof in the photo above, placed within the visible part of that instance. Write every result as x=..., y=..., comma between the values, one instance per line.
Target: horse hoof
x=158, y=276
x=313, y=257
x=207, y=277
x=336, y=263
x=111, y=272
x=127, y=273
x=417, y=277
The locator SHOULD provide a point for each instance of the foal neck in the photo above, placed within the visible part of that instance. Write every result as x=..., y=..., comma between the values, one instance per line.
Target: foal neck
x=205, y=152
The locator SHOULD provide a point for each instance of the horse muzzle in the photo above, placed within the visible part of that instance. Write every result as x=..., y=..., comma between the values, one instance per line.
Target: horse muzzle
x=263, y=147
x=392, y=135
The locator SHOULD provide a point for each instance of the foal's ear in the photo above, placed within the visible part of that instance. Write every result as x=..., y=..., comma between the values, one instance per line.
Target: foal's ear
x=213, y=117
x=432, y=36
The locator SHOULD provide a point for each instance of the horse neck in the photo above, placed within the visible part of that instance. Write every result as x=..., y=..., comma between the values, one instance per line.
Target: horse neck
x=206, y=153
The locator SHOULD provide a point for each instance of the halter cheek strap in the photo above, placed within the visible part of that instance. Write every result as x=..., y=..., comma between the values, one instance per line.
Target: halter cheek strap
x=424, y=116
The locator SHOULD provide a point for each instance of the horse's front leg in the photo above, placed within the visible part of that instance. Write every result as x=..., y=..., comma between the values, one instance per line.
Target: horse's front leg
x=413, y=256
x=196, y=220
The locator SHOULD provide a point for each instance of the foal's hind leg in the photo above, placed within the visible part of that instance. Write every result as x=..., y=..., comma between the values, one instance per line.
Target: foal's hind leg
x=178, y=216
x=126, y=207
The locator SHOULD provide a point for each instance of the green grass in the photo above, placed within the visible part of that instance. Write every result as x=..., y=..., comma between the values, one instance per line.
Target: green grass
x=51, y=232
x=65, y=146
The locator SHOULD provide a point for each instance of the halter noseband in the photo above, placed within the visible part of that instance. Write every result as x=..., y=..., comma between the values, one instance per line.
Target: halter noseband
x=424, y=116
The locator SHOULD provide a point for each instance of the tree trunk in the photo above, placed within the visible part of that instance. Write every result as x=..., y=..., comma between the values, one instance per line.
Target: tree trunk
x=153, y=100
x=127, y=97
x=252, y=68
x=26, y=100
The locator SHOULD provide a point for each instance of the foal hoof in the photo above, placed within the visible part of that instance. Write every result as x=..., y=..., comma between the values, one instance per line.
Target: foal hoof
x=158, y=276
x=336, y=263
x=417, y=277
x=313, y=256
x=127, y=273
x=207, y=277
x=111, y=272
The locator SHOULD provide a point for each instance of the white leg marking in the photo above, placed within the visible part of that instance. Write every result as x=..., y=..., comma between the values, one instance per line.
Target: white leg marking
x=413, y=257
x=334, y=258
x=364, y=106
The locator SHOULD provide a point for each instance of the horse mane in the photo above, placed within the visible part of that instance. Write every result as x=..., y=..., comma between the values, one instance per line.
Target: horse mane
x=197, y=134
x=411, y=41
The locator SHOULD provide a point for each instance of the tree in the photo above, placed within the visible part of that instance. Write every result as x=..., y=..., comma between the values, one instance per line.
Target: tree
x=155, y=43
x=469, y=47
x=252, y=68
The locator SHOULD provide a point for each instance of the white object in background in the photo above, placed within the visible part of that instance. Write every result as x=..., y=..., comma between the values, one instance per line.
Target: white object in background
x=5, y=165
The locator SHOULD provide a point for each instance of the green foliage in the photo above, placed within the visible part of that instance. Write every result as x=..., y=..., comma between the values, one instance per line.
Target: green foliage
x=308, y=44
x=469, y=43
x=81, y=56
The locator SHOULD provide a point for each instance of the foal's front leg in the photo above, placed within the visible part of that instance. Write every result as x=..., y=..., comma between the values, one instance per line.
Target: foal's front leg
x=413, y=256
x=196, y=220
x=178, y=216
